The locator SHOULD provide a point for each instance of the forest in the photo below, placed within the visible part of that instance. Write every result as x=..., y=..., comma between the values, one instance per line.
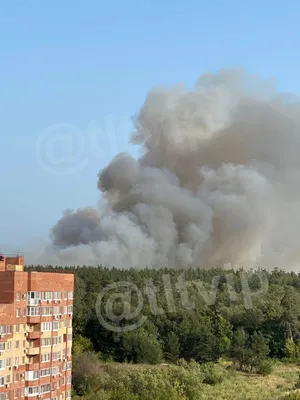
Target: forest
x=184, y=330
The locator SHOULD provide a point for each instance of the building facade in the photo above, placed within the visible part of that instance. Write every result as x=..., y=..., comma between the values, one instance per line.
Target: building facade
x=36, y=310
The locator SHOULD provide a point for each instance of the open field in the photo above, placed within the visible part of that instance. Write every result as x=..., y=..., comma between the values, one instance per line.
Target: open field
x=241, y=386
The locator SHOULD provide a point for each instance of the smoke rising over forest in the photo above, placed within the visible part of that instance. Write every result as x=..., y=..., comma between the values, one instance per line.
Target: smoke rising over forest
x=218, y=182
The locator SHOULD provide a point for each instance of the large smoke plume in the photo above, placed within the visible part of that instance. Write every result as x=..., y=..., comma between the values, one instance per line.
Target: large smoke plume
x=219, y=182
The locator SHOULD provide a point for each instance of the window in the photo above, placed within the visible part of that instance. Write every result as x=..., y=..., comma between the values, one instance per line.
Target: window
x=46, y=342
x=45, y=372
x=67, y=323
x=55, y=340
x=46, y=295
x=33, y=298
x=46, y=311
x=16, y=361
x=31, y=390
x=18, y=312
x=56, y=310
x=16, y=392
x=46, y=326
x=17, y=344
x=56, y=295
x=33, y=311
x=55, y=355
x=17, y=328
x=55, y=370
x=45, y=388
x=18, y=296
x=35, y=374
x=70, y=309
x=33, y=295
x=70, y=295
x=45, y=357
x=55, y=325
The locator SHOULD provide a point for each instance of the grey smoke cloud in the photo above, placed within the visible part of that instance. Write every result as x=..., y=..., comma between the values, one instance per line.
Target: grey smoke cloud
x=218, y=182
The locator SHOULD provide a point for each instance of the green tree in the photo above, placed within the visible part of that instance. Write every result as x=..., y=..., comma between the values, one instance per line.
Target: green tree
x=290, y=348
x=259, y=349
x=82, y=344
x=239, y=351
x=80, y=309
x=172, y=347
x=142, y=347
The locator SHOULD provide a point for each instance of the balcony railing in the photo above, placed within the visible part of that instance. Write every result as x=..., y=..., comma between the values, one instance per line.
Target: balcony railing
x=33, y=351
x=33, y=302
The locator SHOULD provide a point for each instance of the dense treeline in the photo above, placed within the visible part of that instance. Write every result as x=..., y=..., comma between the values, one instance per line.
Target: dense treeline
x=249, y=318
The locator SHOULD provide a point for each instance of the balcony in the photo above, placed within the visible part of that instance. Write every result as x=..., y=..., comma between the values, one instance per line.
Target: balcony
x=33, y=335
x=33, y=302
x=33, y=351
x=33, y=319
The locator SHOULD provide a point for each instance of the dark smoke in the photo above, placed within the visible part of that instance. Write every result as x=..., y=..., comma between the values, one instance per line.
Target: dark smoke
x=218, y=183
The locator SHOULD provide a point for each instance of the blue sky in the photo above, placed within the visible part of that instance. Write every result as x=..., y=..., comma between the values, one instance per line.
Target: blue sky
x=74, y=62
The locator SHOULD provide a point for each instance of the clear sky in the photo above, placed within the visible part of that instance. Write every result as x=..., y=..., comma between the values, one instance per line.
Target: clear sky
x=75, y=62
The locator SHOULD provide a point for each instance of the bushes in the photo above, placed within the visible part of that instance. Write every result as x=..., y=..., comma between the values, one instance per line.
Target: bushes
x=131, y=382
x=159, y=383
x=297, y=385
x=265, y=367
x=87, y=373
x=292, y=396
x=212, y=374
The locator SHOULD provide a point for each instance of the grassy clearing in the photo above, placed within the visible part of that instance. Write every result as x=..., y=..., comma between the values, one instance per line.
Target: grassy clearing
x=240, y=386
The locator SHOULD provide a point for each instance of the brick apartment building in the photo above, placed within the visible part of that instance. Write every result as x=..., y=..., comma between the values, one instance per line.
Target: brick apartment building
x=36, y=311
